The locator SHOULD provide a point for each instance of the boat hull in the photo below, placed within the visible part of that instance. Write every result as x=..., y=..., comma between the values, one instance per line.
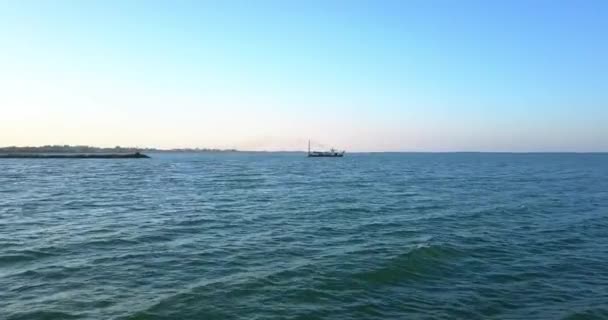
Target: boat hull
x=326, y=155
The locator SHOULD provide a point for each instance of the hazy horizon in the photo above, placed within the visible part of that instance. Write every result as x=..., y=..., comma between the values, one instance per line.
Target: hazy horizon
x=419, y=76
x=318, y=148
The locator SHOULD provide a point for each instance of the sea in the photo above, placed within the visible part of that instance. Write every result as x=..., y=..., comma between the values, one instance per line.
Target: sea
x=282, y=236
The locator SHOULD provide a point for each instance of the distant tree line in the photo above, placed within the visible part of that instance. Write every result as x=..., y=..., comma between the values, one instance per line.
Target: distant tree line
x=89, y=149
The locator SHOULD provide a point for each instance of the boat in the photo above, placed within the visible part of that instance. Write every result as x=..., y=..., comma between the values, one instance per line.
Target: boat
x=331, y=153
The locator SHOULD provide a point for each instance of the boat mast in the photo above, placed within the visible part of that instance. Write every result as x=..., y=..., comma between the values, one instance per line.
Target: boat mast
x=308, y=146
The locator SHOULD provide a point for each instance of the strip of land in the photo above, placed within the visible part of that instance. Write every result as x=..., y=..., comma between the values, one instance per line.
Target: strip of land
x=67, y=149
x=136, y=155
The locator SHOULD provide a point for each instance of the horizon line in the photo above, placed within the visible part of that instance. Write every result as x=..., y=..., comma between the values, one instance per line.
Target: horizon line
x=216, y=149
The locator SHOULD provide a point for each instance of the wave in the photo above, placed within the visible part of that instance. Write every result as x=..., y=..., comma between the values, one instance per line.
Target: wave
x=588, y=315
x=422, y=261
x=19, y=256
x=42, y=314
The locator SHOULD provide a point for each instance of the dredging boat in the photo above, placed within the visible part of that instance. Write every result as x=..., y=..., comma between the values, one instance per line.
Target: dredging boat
x=332, y=153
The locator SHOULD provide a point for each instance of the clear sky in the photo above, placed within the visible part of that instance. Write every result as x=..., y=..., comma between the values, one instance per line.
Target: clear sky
x=361, y=75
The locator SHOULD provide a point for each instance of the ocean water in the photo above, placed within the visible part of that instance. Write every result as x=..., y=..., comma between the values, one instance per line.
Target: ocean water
x=281, y=236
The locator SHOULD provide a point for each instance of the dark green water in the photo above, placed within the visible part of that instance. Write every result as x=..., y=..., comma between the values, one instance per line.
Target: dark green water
x=281, y=236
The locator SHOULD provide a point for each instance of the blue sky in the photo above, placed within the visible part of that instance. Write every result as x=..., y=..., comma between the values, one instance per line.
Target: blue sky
x=360, y=75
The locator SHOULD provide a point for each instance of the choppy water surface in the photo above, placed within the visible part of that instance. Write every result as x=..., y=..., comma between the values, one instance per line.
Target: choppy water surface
x=280, y=236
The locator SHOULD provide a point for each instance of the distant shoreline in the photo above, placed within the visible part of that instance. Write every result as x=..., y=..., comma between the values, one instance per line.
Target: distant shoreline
x=84, y=150
x=136, y=155
x=88, y=150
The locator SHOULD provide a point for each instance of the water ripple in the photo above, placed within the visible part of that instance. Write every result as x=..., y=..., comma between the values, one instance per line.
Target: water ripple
x=280, y=236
